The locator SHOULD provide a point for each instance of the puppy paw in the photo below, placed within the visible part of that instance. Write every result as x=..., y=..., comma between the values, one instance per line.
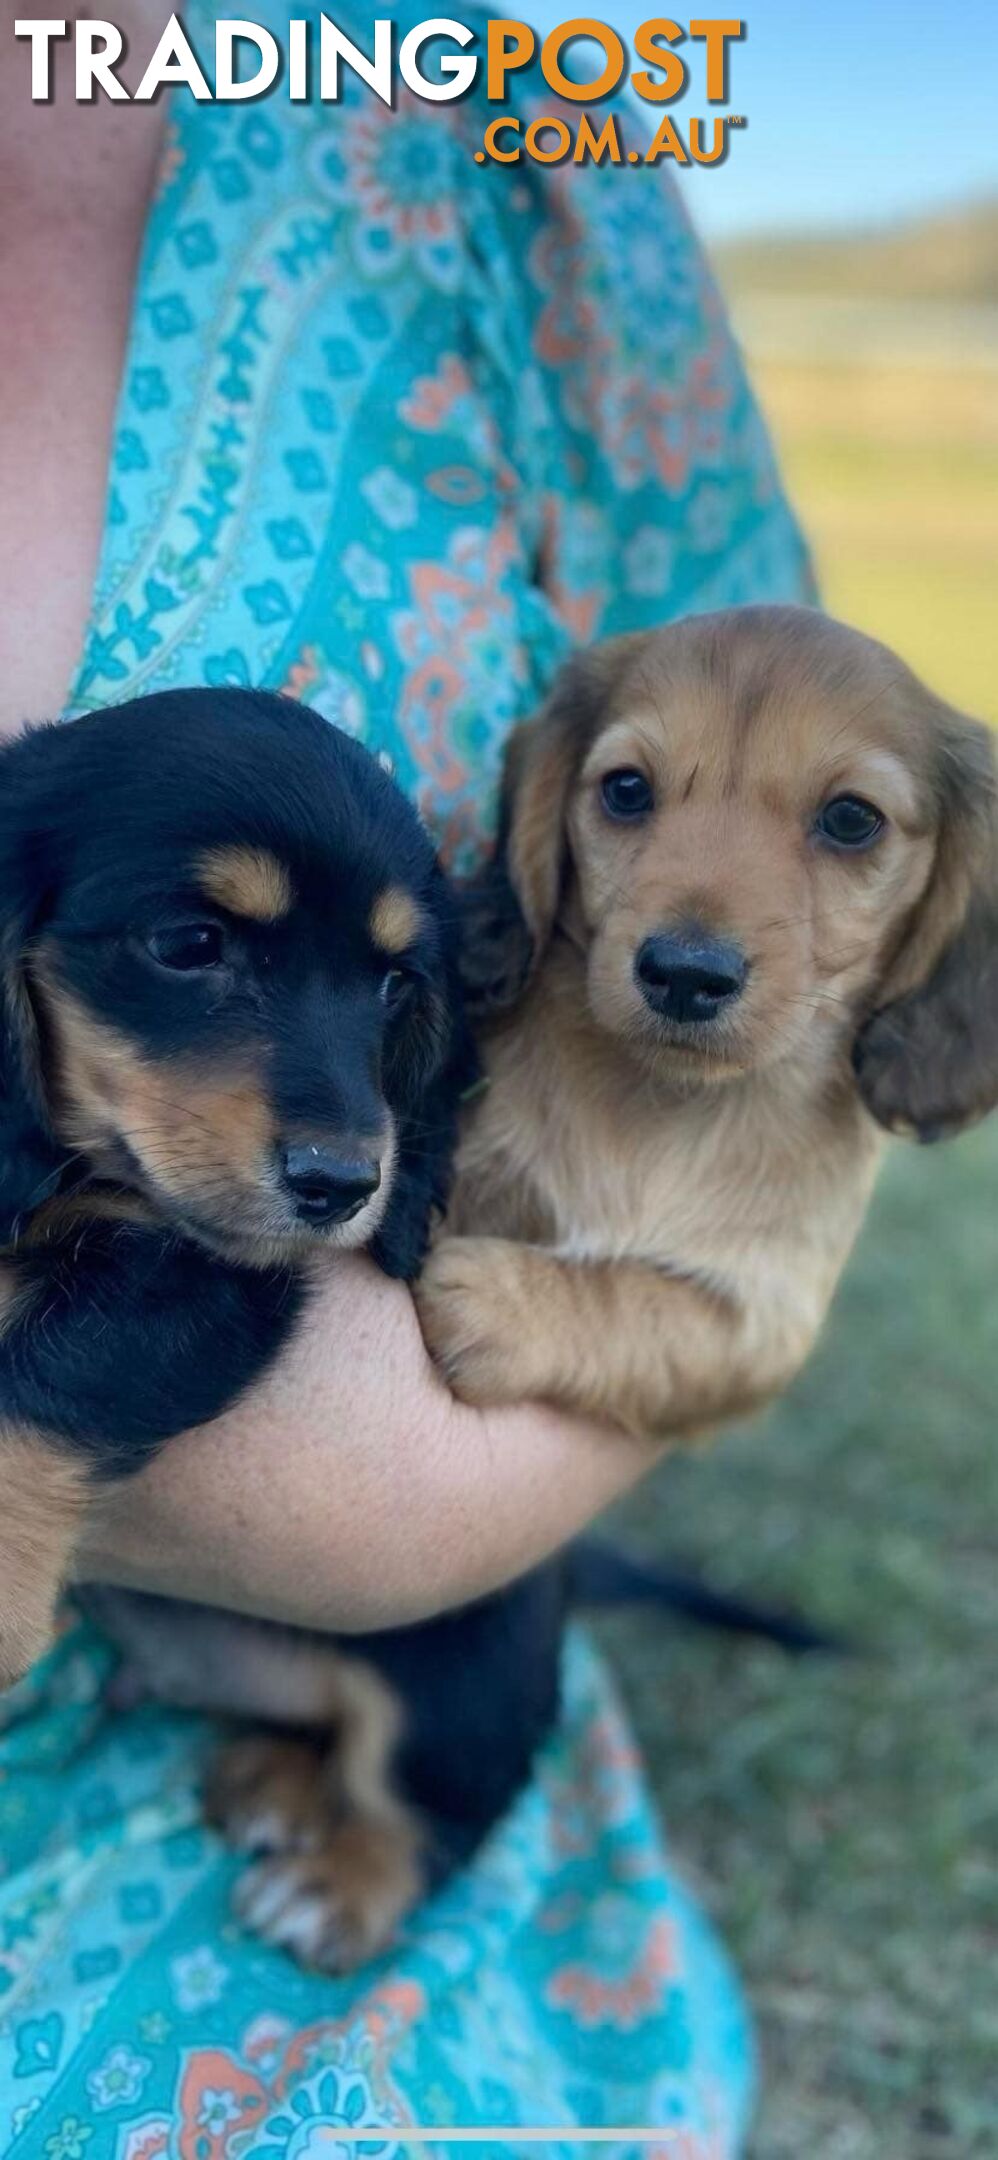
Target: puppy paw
x=474, y=1306
x=330, y=1889
x=335, y=1908
x=265, y=1795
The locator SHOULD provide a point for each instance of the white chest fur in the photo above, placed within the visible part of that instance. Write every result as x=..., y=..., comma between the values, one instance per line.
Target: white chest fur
x=756, y=1187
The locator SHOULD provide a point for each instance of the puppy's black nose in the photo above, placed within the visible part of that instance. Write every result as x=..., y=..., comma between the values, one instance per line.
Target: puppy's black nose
x=324, y=1187
x=688, y=977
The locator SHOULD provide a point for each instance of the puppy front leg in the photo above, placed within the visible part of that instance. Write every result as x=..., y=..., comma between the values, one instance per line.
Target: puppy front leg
x=114, y=1341
x=43, y=1495
x=618, y=1340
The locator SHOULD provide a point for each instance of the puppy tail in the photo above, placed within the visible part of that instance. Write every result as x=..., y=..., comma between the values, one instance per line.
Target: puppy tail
x=600, y=1574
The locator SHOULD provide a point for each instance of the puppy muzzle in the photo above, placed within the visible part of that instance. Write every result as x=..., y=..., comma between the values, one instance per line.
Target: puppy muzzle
x=689, y=978
x=324, y=1187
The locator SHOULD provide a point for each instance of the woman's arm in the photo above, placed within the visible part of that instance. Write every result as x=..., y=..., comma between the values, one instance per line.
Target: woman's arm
x=349, y=1490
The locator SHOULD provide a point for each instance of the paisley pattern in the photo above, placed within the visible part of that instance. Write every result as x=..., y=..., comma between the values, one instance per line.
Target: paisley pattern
x=395, y=427
x=394, y=430
x=566, y=1978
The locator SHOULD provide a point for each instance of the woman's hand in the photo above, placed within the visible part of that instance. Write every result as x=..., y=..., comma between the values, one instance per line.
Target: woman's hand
x=349, y=1490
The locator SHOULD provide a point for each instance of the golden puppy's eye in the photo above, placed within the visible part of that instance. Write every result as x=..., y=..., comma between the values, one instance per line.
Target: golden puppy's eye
x=849, y=821
x=186, y=948
x=626, y=794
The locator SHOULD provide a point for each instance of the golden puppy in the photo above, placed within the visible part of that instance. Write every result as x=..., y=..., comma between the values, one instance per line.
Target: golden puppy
x=756, y=861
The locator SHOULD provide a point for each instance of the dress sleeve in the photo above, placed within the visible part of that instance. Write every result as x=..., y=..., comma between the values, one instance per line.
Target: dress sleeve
x=648, y=478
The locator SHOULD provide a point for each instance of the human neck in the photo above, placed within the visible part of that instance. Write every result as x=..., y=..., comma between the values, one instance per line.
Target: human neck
x=75, y=183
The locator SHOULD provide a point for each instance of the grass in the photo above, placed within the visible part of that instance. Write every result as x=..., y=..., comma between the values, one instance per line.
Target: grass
x=951, y=255
x=840, y=1816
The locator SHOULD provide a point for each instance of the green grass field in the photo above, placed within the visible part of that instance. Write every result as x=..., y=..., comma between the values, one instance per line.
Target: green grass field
x=840, y=1816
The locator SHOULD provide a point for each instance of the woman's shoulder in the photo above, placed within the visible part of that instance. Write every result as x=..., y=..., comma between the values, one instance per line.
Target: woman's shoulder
x=464, y=120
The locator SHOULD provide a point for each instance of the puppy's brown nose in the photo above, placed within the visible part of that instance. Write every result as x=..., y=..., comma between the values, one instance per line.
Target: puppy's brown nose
x=689, y=977
x=326, y=1188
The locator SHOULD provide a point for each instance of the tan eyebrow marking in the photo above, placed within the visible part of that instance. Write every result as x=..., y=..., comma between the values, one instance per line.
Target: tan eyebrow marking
x=247, y=881
x=394, y=919
x=876, y=767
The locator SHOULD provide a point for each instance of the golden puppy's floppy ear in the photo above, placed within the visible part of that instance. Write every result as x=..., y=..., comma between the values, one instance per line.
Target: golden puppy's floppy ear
x=927, y=1060
x=508, y=911
x=542, y=761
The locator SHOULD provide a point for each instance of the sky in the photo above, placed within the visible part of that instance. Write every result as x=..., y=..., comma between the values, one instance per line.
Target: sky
x=859, y=111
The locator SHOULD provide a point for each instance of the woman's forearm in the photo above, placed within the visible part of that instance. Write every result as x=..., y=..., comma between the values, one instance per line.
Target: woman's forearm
x=349, y=1490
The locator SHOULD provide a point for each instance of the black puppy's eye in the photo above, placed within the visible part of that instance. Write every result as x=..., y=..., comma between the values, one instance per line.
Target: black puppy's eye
x=626, y=793
x=849, y=821
x=394, y=986
x=186, y=947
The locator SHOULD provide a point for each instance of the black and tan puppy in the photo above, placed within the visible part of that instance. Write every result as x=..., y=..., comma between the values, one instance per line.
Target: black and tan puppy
x=229, y=1044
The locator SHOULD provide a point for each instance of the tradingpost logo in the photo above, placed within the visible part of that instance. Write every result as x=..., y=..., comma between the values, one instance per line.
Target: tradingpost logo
x=578, y=66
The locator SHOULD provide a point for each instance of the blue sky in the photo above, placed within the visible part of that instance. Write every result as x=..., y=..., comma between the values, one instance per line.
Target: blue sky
x=858, y=110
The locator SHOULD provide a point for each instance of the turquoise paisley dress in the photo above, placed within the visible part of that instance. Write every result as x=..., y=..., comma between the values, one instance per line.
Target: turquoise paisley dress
x=395, y=429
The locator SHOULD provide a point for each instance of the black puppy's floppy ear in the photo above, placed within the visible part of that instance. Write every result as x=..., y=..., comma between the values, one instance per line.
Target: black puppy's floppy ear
x=927, y=1060
x=510, y=910
x=30, y=1157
